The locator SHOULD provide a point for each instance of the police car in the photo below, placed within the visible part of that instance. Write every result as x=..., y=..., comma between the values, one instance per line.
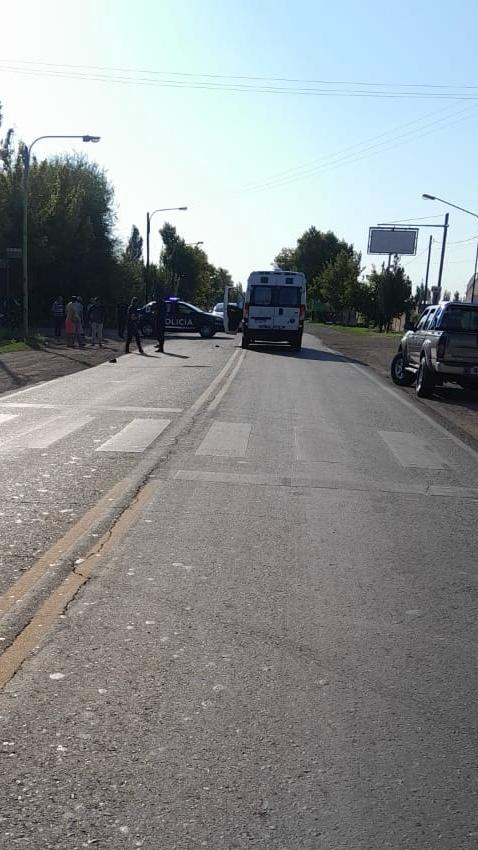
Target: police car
x=181, y=317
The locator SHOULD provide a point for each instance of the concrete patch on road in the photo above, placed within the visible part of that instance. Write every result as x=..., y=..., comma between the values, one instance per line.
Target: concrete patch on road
x=62, y=428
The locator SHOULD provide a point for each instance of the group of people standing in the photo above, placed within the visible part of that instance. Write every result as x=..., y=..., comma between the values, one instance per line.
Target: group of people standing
x=77, y=321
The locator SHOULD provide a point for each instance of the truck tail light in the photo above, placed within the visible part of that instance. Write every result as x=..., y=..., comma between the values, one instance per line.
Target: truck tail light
x=441, y=346
x=302, y=312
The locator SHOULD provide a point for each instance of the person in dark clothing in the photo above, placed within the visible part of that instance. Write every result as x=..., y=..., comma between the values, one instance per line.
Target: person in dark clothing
x=132, y=326
x=159, y=323
x=122, y=309
x=58, y=313
x=96, y=317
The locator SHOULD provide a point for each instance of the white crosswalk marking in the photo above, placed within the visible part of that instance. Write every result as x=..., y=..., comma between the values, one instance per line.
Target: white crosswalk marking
x=226, y=439
x=6, y=417
x=57, y=430
x=136, y=436
x=410, y=451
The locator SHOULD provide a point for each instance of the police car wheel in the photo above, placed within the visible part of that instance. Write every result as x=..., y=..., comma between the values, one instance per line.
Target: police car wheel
x=206, y=331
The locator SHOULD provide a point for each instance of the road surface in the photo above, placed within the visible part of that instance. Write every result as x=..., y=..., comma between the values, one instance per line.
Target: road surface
x=276, y=644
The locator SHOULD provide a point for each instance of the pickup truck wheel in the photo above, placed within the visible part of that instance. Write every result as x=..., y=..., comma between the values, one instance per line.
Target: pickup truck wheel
x=425, y=382
x=398, y=373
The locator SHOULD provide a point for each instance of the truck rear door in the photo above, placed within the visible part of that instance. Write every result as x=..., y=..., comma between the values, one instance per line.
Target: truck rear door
x=261, y=309
x=287, y=307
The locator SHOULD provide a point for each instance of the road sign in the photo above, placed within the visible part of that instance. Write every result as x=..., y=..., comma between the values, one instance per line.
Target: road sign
x=14, y=253
x=392, y=240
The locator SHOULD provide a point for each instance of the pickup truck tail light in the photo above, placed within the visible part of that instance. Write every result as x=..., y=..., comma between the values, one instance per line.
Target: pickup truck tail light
x=441, y=346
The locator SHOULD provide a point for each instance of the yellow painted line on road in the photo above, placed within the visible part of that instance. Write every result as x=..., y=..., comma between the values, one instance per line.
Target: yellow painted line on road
x=41, y=566
x=47, y=615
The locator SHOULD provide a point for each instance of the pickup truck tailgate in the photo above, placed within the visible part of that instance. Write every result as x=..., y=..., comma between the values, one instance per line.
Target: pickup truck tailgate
x=462, y=347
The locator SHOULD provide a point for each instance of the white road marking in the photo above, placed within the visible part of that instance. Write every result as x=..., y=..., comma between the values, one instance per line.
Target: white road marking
x=136, y=436
x=226, y=439
x=96, y=407
x=58, y=430
x=427, y=417
x=411, y=451
x=6, y=417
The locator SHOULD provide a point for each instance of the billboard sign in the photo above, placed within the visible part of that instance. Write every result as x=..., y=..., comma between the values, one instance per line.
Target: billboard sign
x=392, y=240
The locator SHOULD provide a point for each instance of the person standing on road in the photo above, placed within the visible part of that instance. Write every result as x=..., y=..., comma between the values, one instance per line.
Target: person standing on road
x=80, y=325
x=132, y=326
x=122, y=310
x=71, y=322
x=97, y=318
x=159, y=318
x=58, y=313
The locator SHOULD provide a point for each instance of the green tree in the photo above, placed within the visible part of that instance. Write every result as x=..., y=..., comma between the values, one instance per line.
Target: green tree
x=338, y=283
x=456, y=296
x=446, y=295
x=313, y=252
x=134, y=248
x=391, y=290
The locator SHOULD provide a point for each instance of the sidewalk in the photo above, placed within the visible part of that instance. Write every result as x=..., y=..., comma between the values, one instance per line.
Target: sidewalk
x=21, y=368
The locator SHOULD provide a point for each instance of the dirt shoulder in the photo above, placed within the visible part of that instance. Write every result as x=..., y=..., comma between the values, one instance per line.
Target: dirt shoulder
x=456, y=406
x=19, y=369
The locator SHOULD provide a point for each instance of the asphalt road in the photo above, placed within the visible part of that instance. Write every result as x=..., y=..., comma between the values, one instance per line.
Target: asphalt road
x=280, y=650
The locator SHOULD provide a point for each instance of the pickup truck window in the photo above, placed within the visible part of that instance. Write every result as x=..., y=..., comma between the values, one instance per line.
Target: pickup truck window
x=433, y=319
x=423, y=320
x=460, y=319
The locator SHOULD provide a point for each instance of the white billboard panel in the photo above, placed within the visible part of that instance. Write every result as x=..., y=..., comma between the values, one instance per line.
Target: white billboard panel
x=392, y=240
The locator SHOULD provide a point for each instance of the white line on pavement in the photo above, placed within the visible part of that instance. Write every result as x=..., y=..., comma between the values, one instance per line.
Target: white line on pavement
x=136, y=436
x=62, y=428
x=226, y=439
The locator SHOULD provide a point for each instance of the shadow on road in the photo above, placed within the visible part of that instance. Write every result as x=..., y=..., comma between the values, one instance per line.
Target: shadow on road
x=304, y=354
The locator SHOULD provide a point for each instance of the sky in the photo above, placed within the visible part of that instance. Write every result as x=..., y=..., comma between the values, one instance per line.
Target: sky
x=194, y=107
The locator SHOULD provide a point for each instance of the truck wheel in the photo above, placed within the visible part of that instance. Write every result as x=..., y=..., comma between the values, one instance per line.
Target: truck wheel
x=206, y=331
x=297, y=343
x=425, y=382
x=398, y=373
x=245, y=340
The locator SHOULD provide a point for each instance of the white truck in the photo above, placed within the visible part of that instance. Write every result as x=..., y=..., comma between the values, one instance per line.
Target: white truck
x=274, y=308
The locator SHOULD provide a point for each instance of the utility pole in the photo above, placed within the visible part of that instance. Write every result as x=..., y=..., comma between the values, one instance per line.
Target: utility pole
x=430, y=243
x=474, y=276
x=442, y=255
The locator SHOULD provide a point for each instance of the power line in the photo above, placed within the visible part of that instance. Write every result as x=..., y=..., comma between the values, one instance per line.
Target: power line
x=237, y=87
x=189, y=74
x=462, y=241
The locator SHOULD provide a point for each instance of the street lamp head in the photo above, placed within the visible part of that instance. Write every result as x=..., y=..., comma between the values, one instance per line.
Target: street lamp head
x=429, y=197
x=182, y=208
x=94, y=139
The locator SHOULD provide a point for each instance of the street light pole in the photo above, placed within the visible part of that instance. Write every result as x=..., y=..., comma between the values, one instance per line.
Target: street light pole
x=430, y=243
x=26, y=156
x=428, y=197
x=148, y=234
x=442, y=255
x=474, y=275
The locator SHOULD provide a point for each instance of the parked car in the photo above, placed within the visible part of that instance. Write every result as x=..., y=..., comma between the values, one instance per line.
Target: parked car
x=181, y=317
x=234, y=312
x=442, y=347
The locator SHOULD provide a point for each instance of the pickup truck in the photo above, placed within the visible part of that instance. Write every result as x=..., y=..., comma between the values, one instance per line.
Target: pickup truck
x=443, y=346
